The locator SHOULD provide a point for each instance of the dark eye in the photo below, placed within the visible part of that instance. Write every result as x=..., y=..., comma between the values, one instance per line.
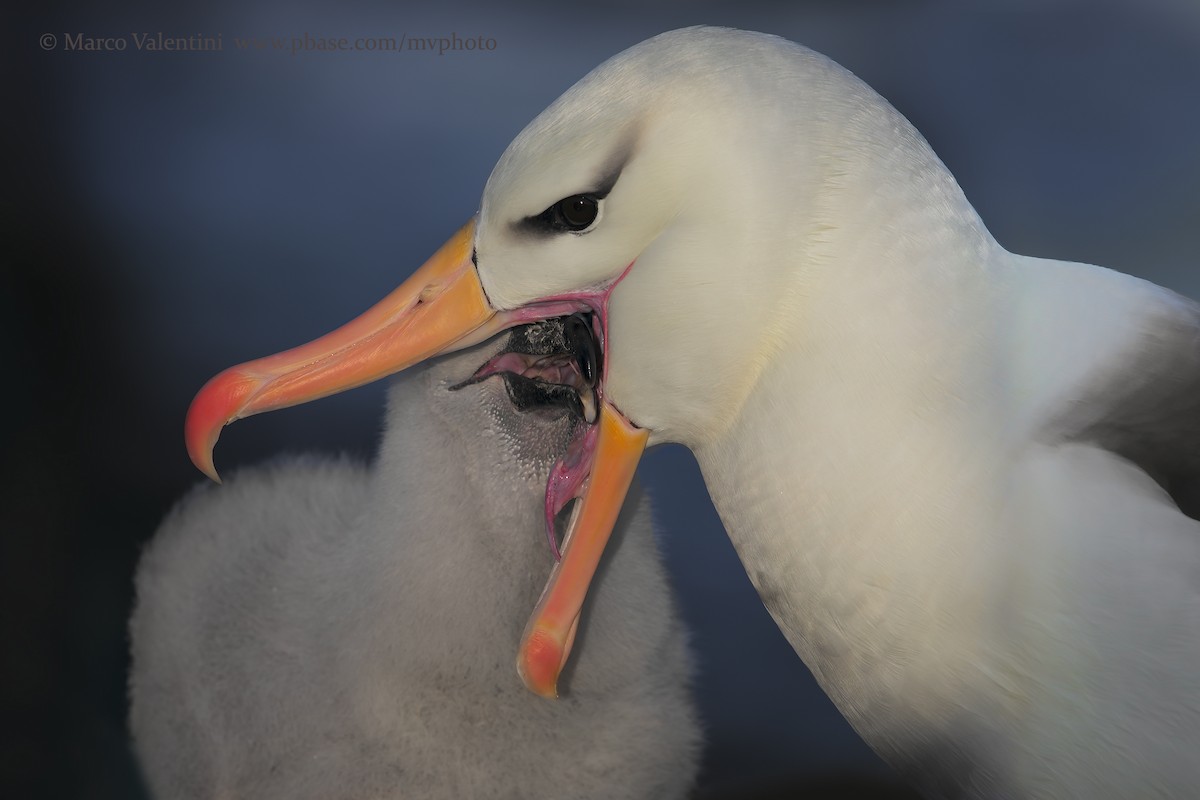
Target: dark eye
x=578, y=211
x=574, y=213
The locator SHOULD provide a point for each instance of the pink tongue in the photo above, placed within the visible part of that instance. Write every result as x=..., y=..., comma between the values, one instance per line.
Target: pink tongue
x=567, y=477
x=552, y=369
x=509, y=362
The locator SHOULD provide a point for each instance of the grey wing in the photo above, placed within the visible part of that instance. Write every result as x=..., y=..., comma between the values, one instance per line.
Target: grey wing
x=1148, y=410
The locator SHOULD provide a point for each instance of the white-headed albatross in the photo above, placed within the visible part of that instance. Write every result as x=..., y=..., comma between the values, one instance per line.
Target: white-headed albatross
x=318, y=629
x=965, y=482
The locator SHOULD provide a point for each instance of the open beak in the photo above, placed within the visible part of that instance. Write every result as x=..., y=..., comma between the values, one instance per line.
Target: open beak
x=443, y=308
x=548, y=636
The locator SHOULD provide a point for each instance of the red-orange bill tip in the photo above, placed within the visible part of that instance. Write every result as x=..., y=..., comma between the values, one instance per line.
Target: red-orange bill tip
x=440, y=308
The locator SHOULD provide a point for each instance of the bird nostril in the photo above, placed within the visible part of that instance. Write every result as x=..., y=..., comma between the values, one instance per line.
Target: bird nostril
x=429, y=293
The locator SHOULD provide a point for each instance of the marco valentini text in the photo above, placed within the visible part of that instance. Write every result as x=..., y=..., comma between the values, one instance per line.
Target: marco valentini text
x=200, y=43
x=149, y=42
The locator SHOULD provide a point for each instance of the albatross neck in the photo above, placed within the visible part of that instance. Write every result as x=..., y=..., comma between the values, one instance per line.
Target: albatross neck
x=857, y=480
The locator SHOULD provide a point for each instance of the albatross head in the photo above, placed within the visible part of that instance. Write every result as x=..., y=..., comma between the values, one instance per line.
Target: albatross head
x=662, y=204
x=637, y=191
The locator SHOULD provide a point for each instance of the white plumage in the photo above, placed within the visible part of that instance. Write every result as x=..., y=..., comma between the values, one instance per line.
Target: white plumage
x=965, y=482
x=320, y=629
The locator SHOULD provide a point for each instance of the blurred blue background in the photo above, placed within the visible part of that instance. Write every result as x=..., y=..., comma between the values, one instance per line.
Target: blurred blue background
x=171, y=214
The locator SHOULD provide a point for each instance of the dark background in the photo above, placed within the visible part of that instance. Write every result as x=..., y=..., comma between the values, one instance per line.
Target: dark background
x=168, y=215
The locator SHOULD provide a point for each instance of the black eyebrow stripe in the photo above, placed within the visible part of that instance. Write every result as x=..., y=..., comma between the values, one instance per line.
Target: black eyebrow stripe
x=610, y=175
x=607, y=179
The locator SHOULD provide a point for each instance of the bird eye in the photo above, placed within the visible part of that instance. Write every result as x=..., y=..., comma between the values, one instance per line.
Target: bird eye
x=574, y=214
x=578, y=211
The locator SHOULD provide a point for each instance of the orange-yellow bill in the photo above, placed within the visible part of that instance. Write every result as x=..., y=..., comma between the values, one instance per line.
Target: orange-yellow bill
x=442, y=307
x=548, y=636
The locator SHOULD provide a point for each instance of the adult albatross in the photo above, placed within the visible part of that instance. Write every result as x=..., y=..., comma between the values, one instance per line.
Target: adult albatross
x=965, y=482
x=318, y=629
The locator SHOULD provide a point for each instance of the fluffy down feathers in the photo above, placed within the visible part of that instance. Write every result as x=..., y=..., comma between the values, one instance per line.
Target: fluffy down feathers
x=320, y=629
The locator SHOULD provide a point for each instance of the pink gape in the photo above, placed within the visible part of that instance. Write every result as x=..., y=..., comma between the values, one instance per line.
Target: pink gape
x=570, y=473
